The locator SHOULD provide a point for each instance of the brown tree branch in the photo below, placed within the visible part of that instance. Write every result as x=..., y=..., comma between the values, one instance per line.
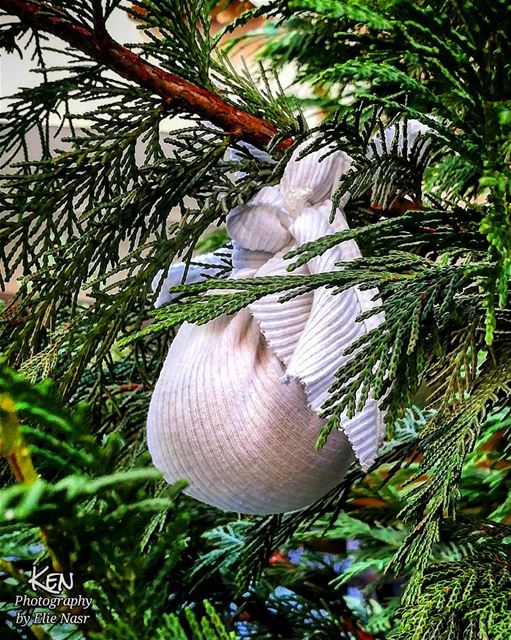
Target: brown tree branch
x=175, y=91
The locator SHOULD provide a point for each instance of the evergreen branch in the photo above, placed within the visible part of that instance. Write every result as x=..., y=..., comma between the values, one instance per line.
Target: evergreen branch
x=91, y=495
x=97, y=43
x=15, y=451
x=434, y=495
x=29, y=487
x=101, y=47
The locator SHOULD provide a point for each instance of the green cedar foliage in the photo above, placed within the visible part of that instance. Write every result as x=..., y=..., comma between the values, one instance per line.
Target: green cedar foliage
x=432, y=517
x=77, y=502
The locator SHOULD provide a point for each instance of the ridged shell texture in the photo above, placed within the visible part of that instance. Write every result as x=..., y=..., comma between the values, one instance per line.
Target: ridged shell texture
x=235, y=410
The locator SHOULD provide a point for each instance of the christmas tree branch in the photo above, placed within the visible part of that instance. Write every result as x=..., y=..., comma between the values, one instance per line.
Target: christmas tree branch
x=14, y=449
x=97, y=43
x=175, y=91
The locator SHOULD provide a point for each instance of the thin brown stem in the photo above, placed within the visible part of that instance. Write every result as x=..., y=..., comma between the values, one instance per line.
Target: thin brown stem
x=175, y=91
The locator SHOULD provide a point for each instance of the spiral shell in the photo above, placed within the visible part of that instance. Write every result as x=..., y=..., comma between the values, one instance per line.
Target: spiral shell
x=236, y=408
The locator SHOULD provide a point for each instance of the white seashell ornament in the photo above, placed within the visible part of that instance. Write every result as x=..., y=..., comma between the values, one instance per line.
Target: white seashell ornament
x=235, y=410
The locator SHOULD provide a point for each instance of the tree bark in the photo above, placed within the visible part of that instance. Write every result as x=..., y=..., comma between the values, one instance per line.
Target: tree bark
x=175, y=91
x=101, y=47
